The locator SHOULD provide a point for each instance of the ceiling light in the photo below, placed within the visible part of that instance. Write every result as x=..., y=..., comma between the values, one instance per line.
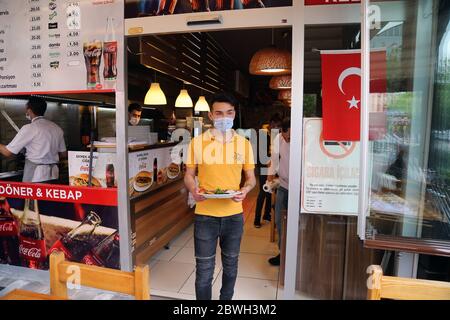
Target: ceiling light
x=280, y=82
x=184, y=100
x=155, y=96
x=271, y=61
x=201, y=105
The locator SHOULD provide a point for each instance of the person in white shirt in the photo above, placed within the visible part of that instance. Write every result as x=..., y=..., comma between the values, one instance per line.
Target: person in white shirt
x=279, y=164
x=43, y=141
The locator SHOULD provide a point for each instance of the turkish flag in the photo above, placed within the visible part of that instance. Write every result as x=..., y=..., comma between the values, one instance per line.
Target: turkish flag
x=341, y=91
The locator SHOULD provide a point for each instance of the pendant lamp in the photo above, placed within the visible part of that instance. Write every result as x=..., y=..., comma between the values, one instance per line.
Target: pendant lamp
x=184, y=100
x=155, y=96
x=280, y=82
x=271, y=61
x=201, y=105
x=284, y=95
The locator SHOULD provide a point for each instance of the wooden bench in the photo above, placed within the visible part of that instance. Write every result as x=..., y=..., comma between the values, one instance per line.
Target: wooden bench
x=133, y=283
x=19, y=294
x=397, y=288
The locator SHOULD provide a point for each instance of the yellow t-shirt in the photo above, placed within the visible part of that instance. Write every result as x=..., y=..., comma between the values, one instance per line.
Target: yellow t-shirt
x=219, y=165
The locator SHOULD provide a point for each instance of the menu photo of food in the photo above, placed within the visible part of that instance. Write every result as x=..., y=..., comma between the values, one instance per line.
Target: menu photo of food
x=173, y=171
x=82, y=180
x=103, y=167
x=143, y=181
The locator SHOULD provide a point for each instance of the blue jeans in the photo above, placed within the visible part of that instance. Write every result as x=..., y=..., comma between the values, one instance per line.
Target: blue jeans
x=207, y=230
x=281, y=203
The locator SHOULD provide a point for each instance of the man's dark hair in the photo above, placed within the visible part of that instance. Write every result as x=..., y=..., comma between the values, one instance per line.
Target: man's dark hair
x=275, y=118
x=286, y=124
x=224, y=97
x=134, y=106
x=37, y=105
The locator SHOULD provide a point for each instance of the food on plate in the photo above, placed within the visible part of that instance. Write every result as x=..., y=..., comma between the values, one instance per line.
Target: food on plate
x=143, y=179
x=173, y=170
x=217, y=191
x=82, y=180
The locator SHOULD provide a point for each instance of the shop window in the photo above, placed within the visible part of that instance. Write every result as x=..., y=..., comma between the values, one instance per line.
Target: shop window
x=409, y=135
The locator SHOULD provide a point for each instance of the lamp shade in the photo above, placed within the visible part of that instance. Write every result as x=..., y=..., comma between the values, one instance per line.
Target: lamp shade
x=280, y=82
x=184, y=100
x=271, y=61
x=201, y=105
x=284, y=95
x=155, y=96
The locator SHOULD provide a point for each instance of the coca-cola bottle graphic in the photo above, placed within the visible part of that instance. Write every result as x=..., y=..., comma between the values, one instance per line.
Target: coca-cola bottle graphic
x=106, y=253
x=32, y=248
x=155, y=169
x=110, y=52
x=9, y=240
x=77, y=243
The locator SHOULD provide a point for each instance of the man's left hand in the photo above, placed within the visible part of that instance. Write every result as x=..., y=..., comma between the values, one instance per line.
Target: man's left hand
x=241, y=196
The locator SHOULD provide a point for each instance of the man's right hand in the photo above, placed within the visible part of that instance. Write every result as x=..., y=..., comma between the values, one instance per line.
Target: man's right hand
x=197, y=197
x=270, y=178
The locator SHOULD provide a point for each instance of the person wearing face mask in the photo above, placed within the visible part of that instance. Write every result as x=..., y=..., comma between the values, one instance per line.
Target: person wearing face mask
x=43, y=141
x=134, y=114
x=279, y=164
x=220, y=156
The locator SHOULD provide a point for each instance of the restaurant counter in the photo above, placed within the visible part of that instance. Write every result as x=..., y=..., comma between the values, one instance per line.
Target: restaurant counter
x=158, y=199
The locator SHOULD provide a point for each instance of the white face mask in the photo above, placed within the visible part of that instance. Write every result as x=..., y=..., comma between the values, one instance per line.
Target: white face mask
x=27, y=116
x=134, y=121
x=223, y=124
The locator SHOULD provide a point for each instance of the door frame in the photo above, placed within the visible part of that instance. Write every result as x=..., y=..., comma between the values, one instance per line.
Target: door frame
x=295, y=17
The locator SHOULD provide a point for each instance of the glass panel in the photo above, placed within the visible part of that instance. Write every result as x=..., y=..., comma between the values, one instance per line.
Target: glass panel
x=409, y=143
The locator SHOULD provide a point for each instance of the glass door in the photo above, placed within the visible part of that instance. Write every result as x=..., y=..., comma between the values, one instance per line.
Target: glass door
x=407, y=129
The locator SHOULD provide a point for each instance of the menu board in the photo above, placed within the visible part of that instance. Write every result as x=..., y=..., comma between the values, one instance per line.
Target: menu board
x=103, y=168
x=148, y=169
x=152, y=168
x=58, y=46
x=330, y=179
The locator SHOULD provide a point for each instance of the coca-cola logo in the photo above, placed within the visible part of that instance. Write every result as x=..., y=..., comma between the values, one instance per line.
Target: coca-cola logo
x=93, y=53
x=31, y=249
x=30, y=252
x=110, y=47
x=7, y=227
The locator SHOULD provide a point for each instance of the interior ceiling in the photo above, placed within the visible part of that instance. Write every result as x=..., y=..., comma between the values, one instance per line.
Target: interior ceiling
x=240, y=45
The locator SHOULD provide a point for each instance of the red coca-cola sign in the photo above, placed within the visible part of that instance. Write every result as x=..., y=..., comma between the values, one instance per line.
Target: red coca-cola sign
x=8, y=228
x=59, y=246
x=32, y=249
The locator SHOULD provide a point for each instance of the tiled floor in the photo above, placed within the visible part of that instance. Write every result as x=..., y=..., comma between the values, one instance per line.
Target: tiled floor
x=173, y=269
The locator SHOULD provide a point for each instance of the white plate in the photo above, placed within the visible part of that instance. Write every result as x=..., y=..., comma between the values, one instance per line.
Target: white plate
x=220, y=196
x=172, y=176
x=141, y=189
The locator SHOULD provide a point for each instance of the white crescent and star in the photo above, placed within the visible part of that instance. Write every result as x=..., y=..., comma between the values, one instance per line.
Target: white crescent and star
x=346, y=73
x=353, y=103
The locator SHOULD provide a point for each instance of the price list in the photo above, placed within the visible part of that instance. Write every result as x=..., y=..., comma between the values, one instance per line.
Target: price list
x=36, y=43
x=7, y=79
x=58, y=45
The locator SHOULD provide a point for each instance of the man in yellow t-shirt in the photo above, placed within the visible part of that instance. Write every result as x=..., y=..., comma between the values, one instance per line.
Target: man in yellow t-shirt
x=220, y=155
